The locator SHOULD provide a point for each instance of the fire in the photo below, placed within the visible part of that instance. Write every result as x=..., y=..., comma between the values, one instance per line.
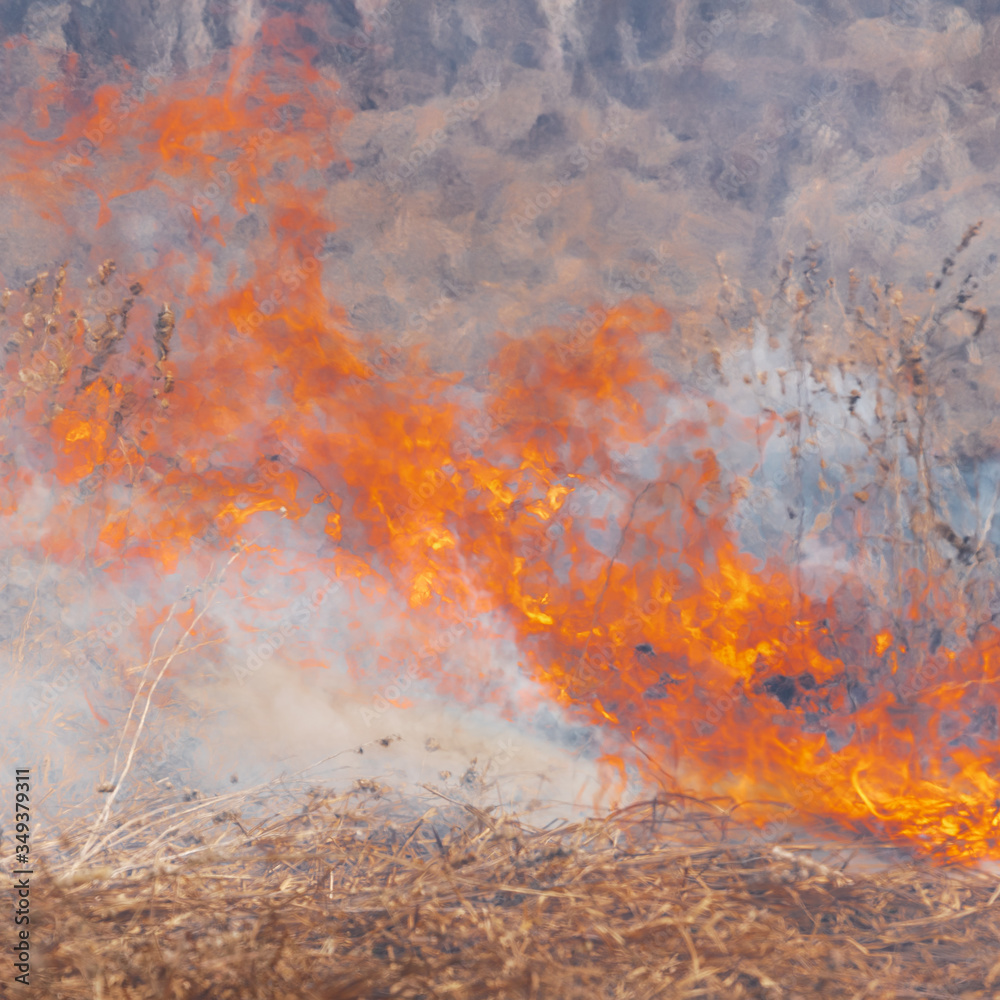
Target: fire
x=589, y=513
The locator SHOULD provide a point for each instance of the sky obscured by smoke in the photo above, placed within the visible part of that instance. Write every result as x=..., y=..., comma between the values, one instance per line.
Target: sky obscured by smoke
x=511, y=164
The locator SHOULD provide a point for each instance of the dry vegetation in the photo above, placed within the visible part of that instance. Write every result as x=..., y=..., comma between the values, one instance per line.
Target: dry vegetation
x=361, y=895
x=306, y=892
x=884, y=398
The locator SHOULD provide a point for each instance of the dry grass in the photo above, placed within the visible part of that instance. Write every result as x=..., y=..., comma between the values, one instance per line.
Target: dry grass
x=298, y=892
x=362, y=895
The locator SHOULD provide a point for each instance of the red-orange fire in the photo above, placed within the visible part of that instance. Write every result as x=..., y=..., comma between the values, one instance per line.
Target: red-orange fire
x=574, y=489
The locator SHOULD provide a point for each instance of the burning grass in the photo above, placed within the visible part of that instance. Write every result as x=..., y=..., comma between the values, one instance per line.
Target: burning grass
x=361, y=894
x=571, y=494
x=594, y=524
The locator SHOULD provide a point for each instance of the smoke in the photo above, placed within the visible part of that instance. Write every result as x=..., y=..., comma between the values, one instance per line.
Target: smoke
x=432, y=178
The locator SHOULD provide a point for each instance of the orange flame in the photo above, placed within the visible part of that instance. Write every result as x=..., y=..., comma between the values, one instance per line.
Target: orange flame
x=589, y=509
